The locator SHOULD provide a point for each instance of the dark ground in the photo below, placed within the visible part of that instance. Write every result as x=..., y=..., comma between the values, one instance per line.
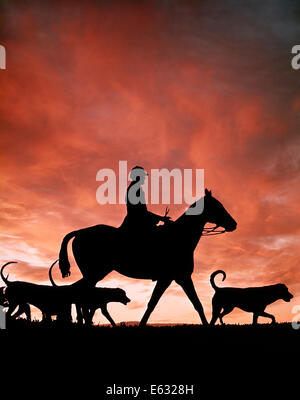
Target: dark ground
x=267, y=338
x=181, y=339
x=213, y=358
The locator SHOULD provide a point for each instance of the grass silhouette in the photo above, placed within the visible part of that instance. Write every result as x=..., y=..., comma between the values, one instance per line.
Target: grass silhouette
x=244, y=338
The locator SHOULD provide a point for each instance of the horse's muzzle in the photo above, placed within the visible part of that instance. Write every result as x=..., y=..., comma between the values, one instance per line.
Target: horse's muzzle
x=231, y=227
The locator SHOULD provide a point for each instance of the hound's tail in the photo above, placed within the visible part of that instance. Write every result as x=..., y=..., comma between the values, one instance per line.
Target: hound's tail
x=213, y=275
x=64, y=264
x=50, y=274
x=5, y=280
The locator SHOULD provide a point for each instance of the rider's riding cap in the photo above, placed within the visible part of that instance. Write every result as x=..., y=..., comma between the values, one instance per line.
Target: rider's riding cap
x=137, y=172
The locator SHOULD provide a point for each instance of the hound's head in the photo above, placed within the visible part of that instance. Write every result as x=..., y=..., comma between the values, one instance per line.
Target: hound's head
x=283, y=292
x=120, y=296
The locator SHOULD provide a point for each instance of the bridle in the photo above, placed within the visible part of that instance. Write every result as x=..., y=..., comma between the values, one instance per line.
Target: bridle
x=212, y=230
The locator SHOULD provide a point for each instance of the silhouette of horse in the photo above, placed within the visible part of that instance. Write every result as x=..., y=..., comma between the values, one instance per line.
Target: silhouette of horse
x=163, y=256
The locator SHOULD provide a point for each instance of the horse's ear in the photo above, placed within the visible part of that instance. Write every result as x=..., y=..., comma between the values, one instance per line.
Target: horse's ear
x=207, y=192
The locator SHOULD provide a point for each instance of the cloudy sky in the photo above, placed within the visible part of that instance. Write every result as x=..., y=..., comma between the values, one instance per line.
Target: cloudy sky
x=163, y=84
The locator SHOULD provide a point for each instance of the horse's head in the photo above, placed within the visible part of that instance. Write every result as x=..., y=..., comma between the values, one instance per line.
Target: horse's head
x=215, y=213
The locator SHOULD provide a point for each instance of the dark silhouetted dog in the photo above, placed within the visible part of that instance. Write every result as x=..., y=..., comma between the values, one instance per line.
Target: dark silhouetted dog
x=89, y=299
x=57, y=300
x=253, y=299
x=22, y=309
x=50, y=300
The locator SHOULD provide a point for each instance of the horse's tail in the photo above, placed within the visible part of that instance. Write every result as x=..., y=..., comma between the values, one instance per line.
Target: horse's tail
x=213, y=275
x=5, y=280
x=50, y=274
x=64, y=264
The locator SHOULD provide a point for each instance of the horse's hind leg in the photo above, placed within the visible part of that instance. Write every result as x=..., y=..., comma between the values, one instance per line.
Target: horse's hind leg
x=158, y=291
x=90, y=279
x=87, y=256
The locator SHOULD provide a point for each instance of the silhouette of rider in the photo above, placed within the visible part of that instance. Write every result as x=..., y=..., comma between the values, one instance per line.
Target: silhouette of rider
x=138, y=218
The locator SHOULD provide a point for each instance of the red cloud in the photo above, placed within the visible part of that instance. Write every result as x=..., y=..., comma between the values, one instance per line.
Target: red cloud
x=87, y=87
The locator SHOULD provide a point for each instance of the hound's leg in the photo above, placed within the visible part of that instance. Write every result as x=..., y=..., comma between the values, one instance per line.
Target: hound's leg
x=11, y=308
x=18, y=313
x=107, y=315
x=46, y=317
x=158, y=291
x=216, y=312
x=92, y=313
x=27, y=312
x=23, y=309
x=65, y=314
x=188, y=287
x=79, y=314
x=225, y=311
x=255, y=318
x=264, y=314
x=87, y=314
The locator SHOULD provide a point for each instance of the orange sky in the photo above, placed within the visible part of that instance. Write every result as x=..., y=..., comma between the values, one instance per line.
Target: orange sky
x=165, y=85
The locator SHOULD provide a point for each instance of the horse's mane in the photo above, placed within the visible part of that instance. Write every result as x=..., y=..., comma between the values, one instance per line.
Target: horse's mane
x=186, y=213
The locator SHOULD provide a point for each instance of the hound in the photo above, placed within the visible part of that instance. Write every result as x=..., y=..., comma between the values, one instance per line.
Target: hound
x=253, y=299
x=50, y=300
x=89, y=299
x=23, y=308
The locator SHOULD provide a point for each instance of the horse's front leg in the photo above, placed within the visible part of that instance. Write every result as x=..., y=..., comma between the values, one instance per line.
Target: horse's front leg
x=187, y=285
x=158, y=291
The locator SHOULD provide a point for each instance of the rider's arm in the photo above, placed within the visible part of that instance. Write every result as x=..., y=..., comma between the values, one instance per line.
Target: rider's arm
x=157, y=218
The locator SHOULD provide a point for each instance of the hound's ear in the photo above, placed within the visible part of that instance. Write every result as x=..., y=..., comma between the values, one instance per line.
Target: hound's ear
x=207, y=192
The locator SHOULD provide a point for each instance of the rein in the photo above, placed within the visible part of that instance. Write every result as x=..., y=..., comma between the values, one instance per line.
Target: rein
x=211, y=231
